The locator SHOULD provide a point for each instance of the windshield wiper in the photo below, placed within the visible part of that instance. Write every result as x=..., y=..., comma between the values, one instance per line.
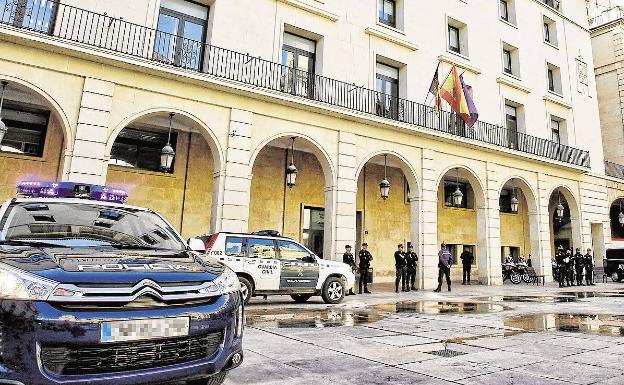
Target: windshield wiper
x=19, y=242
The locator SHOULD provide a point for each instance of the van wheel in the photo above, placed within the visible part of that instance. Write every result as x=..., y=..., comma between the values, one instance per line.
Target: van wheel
x=333, y=290
x=217, y=379
x=301, y=298
x=247, y=289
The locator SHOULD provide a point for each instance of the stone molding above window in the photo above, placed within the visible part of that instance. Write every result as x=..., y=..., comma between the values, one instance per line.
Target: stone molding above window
x=312, y=9
x=393, y=37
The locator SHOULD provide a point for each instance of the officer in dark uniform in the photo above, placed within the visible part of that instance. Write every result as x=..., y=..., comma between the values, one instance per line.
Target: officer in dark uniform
x=467, y=258
x=579, y=266
x=588, y=260
x=411, y=258
x=569, y=267
x=445, y=260
x=349, y=259
x=399, y=264
x=561, y=267
x=365, y=259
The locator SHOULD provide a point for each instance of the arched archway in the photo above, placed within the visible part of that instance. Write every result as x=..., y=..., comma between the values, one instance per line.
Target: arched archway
x=463, y=226
x=617, y=227
x=187, y=194
x=519, y=227
x=302, y=212
x=38, y=134
x=385, y=223
x=565, y=230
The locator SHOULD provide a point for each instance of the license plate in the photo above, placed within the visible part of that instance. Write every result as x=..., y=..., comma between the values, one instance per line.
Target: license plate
x=144, y=329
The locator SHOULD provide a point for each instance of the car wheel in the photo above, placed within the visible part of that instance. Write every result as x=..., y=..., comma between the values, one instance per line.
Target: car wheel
x=615, y=277
x=247, y=289
x=333, y=290
x=217, y=379
x=301, y=298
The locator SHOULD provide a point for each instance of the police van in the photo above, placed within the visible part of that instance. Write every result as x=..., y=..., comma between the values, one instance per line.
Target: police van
x=267, y=263
x=93, y=291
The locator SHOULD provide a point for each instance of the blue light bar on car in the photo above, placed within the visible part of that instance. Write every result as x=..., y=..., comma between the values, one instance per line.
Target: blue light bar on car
x=71, y=190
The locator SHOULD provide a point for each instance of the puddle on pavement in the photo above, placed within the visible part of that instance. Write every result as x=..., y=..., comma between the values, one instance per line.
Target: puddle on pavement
x=593, y=294
x=601, y=324
x=306, y=318
x=436, y=307
x=529, y=298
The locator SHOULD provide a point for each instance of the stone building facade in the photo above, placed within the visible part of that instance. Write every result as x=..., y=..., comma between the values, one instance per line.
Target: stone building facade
x=347, y=80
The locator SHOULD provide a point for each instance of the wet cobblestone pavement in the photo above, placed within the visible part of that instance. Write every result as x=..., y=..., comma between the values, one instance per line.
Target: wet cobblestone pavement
x=473, y=335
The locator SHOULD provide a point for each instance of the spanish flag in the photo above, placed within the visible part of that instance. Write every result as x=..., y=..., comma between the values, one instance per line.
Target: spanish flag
x=456, y=94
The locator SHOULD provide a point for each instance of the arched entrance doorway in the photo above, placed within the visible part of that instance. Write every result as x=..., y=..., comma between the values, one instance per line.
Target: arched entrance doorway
x=301, y=211
x=462, y=222
x=616, y=217
x=519, y=232
x=33, y=146
x=386, y=222
x=565, y=224
x=184, y=193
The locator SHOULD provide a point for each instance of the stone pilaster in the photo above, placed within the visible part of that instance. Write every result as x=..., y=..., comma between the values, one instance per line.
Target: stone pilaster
x=542, y=263
x=89, y=157
x=428, y=264
x=489, y=264
x=235, y=183
x=346, y=194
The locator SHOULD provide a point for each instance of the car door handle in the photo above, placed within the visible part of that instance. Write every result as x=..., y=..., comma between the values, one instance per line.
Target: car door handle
x=251, y=261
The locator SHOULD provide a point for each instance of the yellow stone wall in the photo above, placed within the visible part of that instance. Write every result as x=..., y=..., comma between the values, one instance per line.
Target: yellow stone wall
x=515, y=231
x=15, y=168
x=168, y=193
x=387, y=222
x=268, y=208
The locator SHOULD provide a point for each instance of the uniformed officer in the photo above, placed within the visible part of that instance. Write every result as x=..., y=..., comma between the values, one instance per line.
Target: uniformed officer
x=561, y=266
x=579, y=266
x=588, y=260
x=569, y=268
x=467, y=258
x=349, y=259
x=365, y=259
x=445, y=259
x=411, y=258
x=399, y=264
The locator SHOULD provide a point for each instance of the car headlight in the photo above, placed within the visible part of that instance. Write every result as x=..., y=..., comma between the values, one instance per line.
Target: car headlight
x=17, y=284
x=226, y=283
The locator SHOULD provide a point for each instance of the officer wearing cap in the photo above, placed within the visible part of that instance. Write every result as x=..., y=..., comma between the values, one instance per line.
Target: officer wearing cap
x=579, y=266
x=411, y=259
x=445, y=259
x=399, y=264
x=349, y=259
x=589, y=268
x=365, y=259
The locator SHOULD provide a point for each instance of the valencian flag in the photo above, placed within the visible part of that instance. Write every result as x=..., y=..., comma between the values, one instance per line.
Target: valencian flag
x=455, y=92
x=434, y=89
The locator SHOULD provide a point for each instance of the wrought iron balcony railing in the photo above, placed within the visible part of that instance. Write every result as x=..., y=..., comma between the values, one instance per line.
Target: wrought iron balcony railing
x=615, y=170
x=115, y=34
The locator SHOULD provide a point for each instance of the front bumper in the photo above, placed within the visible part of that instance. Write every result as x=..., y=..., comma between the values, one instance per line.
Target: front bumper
x=27, y=328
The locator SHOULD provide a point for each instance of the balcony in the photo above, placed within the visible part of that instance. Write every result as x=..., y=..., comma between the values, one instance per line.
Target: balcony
x=606, y=17
x=614, y=170
x=114, y=34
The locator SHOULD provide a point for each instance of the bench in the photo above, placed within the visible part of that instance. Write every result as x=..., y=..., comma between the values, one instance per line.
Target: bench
x=535, y=278
x=600, y=272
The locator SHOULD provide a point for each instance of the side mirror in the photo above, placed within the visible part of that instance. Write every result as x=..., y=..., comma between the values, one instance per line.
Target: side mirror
x=197, y=244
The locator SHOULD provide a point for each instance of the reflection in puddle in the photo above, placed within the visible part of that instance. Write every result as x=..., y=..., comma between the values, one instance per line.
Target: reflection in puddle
x=528, y=298
x=593, y=294
x=609, y=325
x=304, y=318
x=435, y=307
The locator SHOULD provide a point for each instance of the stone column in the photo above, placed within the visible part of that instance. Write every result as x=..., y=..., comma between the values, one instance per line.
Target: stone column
x=346, y=195
x=235, y=179
x=89, y=158
x=488, y=231
x=542, y=263
x=428, y=261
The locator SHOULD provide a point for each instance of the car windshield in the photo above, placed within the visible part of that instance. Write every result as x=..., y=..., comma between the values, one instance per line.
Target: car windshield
x=87, y=225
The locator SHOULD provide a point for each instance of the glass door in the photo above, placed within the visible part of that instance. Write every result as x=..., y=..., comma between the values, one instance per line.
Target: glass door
x=314, y=229
x=37, y=15
x=298, y=56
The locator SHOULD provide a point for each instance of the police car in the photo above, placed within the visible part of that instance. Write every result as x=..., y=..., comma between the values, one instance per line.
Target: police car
x=267, y=263
x=93, y=291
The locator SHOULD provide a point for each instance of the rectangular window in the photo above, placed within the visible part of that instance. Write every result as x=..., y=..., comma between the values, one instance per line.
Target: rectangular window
x=181, y=33
x=387, y=87
x=26, y=130
x=555, y=130
x=547, y=32
x=511, y=117
x=551, y=80
x=454, y=44
x=550, y=31
x=387, y=12
x=37, y=15
x=140, y=149
x=299, y=58
x=261, y=248
x=504, y=10
x=291, y=251
x=314, y=229
x=507, y=66
x=235, y=247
